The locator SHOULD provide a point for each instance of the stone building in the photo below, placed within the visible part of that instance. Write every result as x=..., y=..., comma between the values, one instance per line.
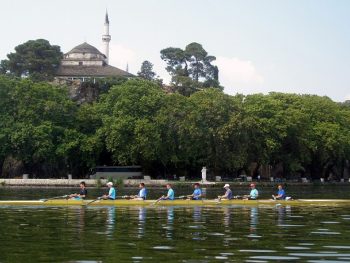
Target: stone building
x=86, y=63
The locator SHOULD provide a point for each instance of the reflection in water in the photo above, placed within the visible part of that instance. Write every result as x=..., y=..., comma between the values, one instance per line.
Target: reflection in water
x=227, y=224
x=197, y=214
x=142, y=222
x=80, y=217
x=110, y=222
x=170, y=220
x=174, y=234
x=227, y=216
x=283, y=212
x=254, y=217
x=197, y=219
x=254, y=213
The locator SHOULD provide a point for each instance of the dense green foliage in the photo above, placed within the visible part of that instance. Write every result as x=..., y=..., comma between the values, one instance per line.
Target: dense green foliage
x=136, y=122
x=36, y=59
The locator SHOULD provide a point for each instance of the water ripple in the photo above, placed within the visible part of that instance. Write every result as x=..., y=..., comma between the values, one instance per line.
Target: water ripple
x=338, y=247
x=297, y=248
x=275, y=257
x=257, y=250
x=325, y=233
x=319, y=254
x=163, y=247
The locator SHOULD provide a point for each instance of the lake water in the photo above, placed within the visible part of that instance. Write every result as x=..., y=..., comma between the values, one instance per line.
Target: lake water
x=172, y=234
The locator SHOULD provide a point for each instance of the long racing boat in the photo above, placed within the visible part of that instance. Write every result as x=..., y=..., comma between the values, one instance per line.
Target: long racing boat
x=123, y=202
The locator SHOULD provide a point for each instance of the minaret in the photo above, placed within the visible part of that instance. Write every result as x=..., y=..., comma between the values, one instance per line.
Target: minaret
x=106, y=38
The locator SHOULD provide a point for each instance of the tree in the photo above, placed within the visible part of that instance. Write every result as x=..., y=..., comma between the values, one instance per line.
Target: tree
x=199, y=61
x=4, y=67
x=146, y=71
x=191, y=69
x=38, y=127
x=209, y=141
x=36, y=59
x=129, y=130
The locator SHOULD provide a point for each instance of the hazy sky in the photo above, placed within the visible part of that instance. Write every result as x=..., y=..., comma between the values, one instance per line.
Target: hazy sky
x=298, y=46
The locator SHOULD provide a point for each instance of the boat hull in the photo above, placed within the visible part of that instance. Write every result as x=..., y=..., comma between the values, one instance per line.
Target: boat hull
x=123, y=202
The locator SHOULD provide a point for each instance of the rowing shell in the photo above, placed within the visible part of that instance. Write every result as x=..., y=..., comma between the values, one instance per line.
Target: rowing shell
x=121, y=202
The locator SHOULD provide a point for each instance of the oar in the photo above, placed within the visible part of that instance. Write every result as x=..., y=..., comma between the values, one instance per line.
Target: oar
x=157, y=201
x=56, y=197
x=162, y=198
x=97, y=199
x=181, y=197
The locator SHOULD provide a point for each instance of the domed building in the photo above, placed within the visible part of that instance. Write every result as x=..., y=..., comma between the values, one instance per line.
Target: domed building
x=86, y=63
x=84, y=55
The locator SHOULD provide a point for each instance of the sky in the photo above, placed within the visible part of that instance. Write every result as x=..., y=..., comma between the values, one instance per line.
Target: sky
x=261, y=46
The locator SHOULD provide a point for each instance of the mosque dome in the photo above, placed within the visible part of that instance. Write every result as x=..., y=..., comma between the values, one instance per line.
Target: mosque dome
x=86, y=54
x=85, y=48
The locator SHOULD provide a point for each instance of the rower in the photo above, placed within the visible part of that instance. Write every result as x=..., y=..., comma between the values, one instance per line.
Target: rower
x=197, y=193
x=170, y=195
x=82, y=192
x=111, y=193
x=254, y=194
x=228, y=194
x=281, y=194
x=142, y=193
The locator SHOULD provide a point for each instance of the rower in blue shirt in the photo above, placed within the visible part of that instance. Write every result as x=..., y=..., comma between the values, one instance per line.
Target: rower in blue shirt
x=197, y=193
x=254, y=194
x=170, y=195
x=281, y=194
x=111, y=193
x=142, y=193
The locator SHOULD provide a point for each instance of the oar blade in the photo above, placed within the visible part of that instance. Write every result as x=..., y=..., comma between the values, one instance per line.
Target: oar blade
x=93, y=201
x=52, y=198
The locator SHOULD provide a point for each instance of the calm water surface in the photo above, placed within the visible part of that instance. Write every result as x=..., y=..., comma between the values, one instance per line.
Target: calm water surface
x=172, y=234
